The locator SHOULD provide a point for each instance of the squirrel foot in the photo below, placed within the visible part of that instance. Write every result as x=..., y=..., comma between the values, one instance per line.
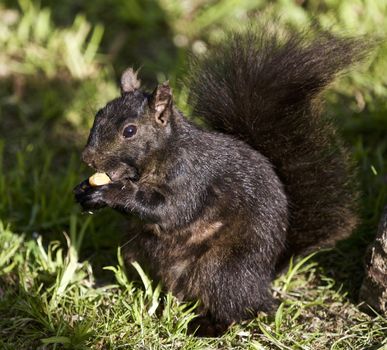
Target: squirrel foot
x=206, y=327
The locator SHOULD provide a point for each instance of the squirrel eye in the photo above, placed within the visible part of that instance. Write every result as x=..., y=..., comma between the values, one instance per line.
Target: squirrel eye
x=129, y=131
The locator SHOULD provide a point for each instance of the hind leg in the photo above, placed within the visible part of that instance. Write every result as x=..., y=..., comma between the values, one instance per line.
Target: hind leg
x=236, y=287
x=230, y=289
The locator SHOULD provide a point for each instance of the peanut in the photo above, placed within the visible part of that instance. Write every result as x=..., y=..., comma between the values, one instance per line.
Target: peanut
x=99, y=179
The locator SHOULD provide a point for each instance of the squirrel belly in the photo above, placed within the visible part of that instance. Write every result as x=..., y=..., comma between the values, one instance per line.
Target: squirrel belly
x=222, y=209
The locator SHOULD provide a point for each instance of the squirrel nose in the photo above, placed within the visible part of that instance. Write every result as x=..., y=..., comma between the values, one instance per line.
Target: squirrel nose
x=88, y=157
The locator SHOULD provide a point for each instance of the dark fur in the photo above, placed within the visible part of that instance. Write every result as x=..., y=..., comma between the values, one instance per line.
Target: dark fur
x=220, y=209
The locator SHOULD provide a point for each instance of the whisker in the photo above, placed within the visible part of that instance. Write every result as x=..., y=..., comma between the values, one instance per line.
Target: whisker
x=130, y=240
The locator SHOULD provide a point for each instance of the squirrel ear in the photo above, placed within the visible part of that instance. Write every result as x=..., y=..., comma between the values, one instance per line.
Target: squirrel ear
x=161, y=102
x=129, y=81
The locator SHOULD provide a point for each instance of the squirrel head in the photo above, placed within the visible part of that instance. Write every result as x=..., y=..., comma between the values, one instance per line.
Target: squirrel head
x=130, y=129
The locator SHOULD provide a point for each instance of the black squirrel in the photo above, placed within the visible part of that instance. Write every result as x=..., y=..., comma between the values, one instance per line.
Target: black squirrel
x=223, y=208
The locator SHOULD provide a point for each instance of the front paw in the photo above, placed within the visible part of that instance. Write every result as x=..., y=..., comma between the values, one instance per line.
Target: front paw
x=89, y=197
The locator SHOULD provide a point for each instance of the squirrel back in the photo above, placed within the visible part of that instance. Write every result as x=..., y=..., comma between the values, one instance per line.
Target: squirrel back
x=264, y=88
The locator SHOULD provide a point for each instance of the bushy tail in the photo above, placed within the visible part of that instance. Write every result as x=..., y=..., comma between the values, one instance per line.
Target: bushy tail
x=264, y=88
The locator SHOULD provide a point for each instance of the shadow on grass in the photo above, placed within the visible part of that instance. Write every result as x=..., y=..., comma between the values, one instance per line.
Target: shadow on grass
x=345, y=266
x=346, y=262
x=365, y=133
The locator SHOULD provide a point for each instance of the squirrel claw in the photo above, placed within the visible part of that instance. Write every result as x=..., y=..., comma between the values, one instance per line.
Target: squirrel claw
x=90, y=198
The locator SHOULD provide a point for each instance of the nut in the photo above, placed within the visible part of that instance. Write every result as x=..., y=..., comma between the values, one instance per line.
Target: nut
x=99, y=179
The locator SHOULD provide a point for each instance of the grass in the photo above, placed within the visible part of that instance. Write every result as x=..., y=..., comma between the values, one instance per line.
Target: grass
x=62, y=280
x=50, y=298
